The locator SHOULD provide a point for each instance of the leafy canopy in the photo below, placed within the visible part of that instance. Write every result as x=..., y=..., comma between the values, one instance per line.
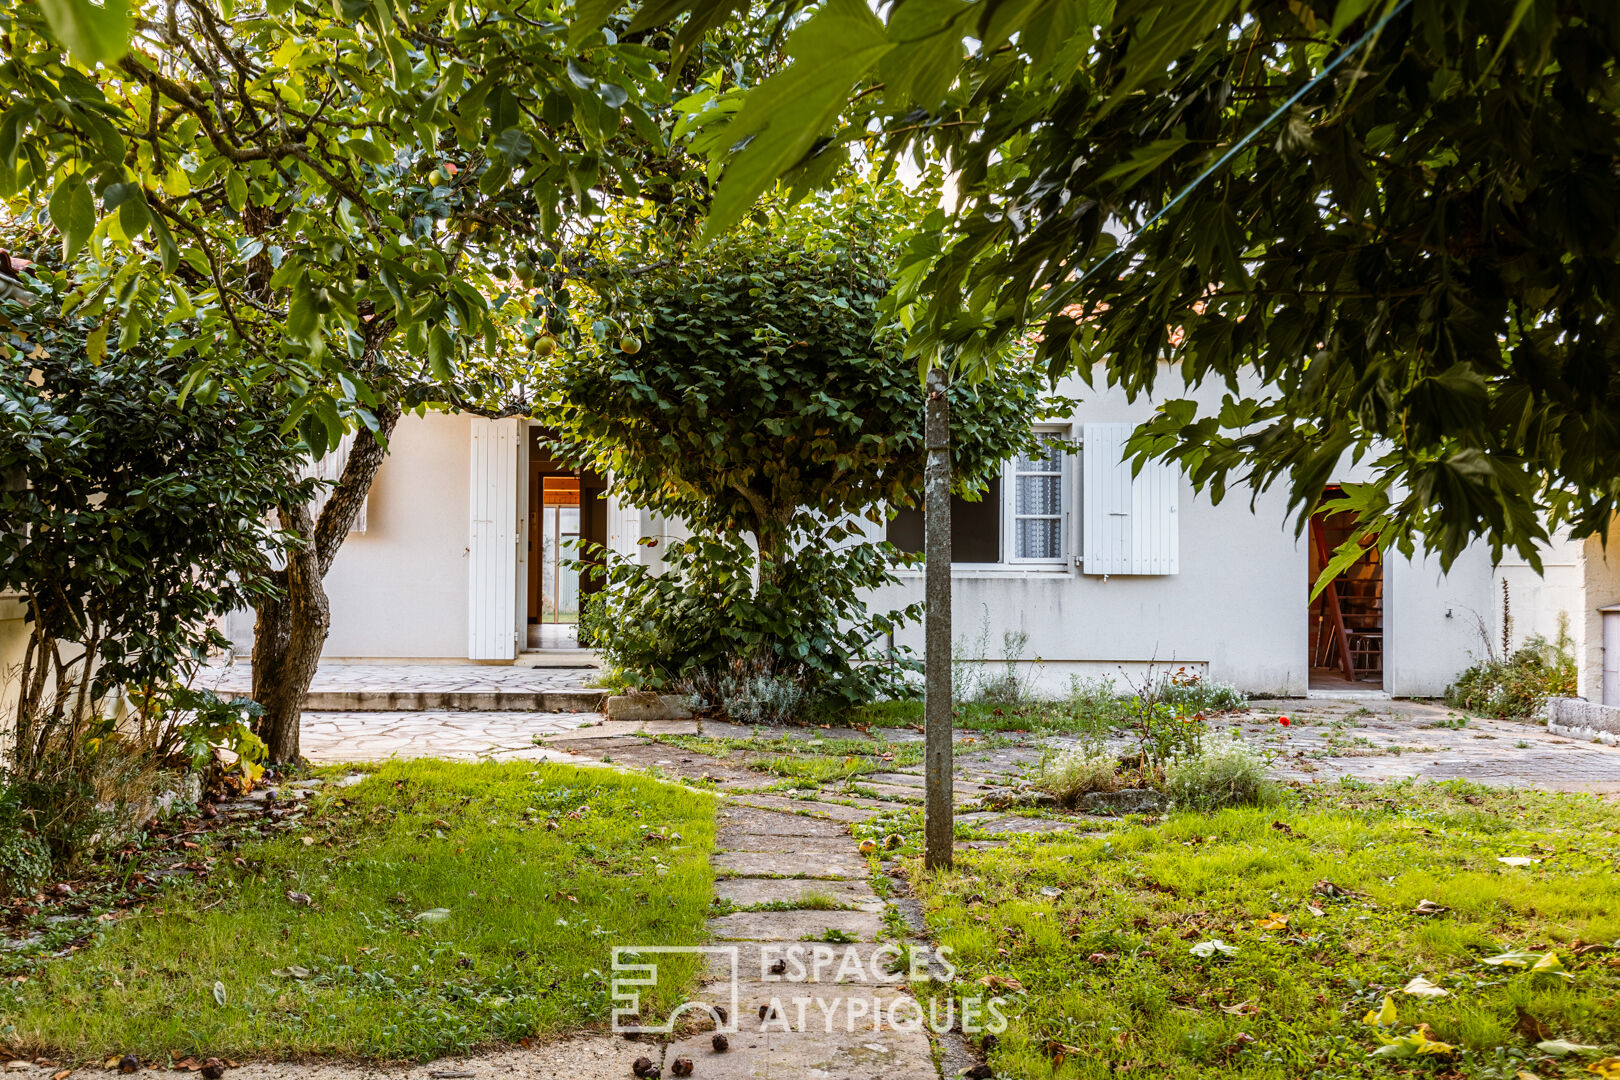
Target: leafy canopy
x=756, y=383
x=326, y=198
x=1418, y=258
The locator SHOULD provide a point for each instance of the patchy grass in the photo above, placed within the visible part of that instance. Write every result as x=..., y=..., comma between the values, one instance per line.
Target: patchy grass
x=1110, y=982
x=805, y=763
x=444, y=912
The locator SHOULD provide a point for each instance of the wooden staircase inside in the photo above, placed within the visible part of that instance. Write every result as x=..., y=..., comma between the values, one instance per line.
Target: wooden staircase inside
x=1347, y=620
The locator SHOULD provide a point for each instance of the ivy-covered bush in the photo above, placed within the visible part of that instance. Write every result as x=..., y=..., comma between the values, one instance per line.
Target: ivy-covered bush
x=703, y=625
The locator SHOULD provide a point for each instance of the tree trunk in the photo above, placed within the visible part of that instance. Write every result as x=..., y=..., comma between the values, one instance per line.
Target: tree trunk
x=291, y=628
x=287, y=641
x=938, y=771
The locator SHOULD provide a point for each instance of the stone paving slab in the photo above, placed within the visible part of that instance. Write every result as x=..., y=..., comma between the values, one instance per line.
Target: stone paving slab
x=1017, y=824
x=378, y=736
x=814, y=810
x=333, y=676
x=793, y=925
x=810, y=848
x=746, y=891
x=770, y=822
x=824, y=865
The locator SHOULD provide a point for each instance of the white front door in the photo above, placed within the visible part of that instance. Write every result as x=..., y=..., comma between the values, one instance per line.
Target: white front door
x=492, y=550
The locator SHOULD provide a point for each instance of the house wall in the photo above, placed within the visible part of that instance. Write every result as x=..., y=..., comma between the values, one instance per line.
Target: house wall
x=1431, y=631
x=1236, y=610
x=399, y=589
x=1600, y=575
x=13, y=641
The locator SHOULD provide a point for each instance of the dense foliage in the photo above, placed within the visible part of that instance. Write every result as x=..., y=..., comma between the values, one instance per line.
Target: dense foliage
x=134, y=518
x=1418, y=255
x=754, y=389
x=358, y=205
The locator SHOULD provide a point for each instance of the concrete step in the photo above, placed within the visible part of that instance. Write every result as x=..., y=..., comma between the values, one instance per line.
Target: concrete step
x=578, y=699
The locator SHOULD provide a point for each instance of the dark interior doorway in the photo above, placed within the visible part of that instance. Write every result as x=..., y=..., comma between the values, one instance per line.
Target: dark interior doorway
x=1347, y=619
x=567, y=514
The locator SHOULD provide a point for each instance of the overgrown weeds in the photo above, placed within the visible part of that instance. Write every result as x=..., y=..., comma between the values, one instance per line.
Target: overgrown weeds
x=1222, y=771
x=1078, y=771
x=1519, y=685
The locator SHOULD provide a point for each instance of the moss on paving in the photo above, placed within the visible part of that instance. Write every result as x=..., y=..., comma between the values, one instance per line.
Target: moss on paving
x=521, y=917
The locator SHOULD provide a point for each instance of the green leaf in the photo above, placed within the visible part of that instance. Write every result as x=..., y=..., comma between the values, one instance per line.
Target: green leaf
x=440, y=349
x=95, y=342
x=73, y=212
x=589, y=15
x=1143, y=160
x=787, y=112
x=93, y=33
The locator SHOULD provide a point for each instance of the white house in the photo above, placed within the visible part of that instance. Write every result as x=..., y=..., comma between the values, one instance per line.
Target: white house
x=1098, y=571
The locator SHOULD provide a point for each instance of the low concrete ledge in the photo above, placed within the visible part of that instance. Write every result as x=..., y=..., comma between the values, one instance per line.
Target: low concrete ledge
x=1578, y=718
x=551, y=701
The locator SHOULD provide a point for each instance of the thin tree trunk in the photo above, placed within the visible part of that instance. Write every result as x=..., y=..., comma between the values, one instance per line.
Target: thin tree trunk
x=938, y=771
x=291, y=628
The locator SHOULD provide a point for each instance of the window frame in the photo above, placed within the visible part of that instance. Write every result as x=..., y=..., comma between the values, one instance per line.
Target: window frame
x=1064, y=434
x=1009, y=566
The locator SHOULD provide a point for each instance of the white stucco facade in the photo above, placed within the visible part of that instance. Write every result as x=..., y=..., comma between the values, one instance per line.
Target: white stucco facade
x=1235, y=605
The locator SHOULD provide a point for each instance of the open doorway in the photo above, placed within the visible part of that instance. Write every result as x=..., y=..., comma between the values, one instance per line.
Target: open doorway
x=567, y=514
x=1347, y=619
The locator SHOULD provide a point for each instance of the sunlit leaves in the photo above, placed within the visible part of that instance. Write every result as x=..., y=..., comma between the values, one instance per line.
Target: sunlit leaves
x=73, y=211
x=94, y=33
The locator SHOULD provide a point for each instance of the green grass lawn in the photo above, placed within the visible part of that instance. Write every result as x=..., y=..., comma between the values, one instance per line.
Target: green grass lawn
x=1111, y=982
x=445, y=911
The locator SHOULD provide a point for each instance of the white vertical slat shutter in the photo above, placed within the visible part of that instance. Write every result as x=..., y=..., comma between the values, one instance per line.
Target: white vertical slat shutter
x=492, y=547
x=330, y=467
x=1130, y=524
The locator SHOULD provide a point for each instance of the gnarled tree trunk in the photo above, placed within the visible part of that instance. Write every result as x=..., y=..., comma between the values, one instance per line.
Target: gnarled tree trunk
x=292, y=627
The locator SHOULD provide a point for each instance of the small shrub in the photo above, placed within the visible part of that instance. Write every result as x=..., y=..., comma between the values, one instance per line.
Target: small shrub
x=1096, y=705
x=1520, y=685
x=1191, y=692
x=752, y=692
x=1219, y=772
x=25, y=860
x=1076, y=772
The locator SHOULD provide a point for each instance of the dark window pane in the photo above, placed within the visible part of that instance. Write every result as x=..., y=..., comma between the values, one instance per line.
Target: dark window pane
x=975, y=528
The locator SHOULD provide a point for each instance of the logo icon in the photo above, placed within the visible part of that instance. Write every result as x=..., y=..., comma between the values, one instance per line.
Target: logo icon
x=630, y=975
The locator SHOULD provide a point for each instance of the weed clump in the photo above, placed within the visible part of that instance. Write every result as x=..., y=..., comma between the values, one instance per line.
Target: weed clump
x=1521, y=684
x=1220, y=772
x=1076, y=772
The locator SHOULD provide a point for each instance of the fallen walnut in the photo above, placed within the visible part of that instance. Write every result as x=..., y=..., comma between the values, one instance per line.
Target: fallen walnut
x=980, y=1071
x=779, y=967
x=682, y=1067
x=644, y=1068
x=129, y=1063
x=213, y=1069
x=721, y=1044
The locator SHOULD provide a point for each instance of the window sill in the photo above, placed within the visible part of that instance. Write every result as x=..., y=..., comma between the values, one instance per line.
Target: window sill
x=999, y=570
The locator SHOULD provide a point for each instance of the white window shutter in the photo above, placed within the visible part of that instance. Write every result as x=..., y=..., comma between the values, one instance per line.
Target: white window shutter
x=1130, y=523
x=330, y=467
x=492, y=546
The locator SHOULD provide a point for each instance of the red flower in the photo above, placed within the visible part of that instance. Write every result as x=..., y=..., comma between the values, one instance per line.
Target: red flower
x=1283, y=720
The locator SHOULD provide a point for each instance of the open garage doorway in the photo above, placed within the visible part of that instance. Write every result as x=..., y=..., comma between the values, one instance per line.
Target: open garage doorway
x=567, y=514
x=1347, y=619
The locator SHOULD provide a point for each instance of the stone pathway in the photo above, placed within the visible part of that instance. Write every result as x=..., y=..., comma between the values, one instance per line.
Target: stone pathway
x=336, y=677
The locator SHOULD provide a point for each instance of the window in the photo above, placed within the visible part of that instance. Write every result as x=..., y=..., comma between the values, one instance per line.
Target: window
x=1038, y=511
x=1022, y=519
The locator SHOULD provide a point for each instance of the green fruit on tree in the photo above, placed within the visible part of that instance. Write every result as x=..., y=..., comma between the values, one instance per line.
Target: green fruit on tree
x=630, y=344
x=545, y=345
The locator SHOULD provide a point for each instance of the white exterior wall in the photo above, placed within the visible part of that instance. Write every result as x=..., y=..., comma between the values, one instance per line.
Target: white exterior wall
x=400, y=589
x=1431, y=632
x=1600, y=574
x=13, y=643
x=1237, y=609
